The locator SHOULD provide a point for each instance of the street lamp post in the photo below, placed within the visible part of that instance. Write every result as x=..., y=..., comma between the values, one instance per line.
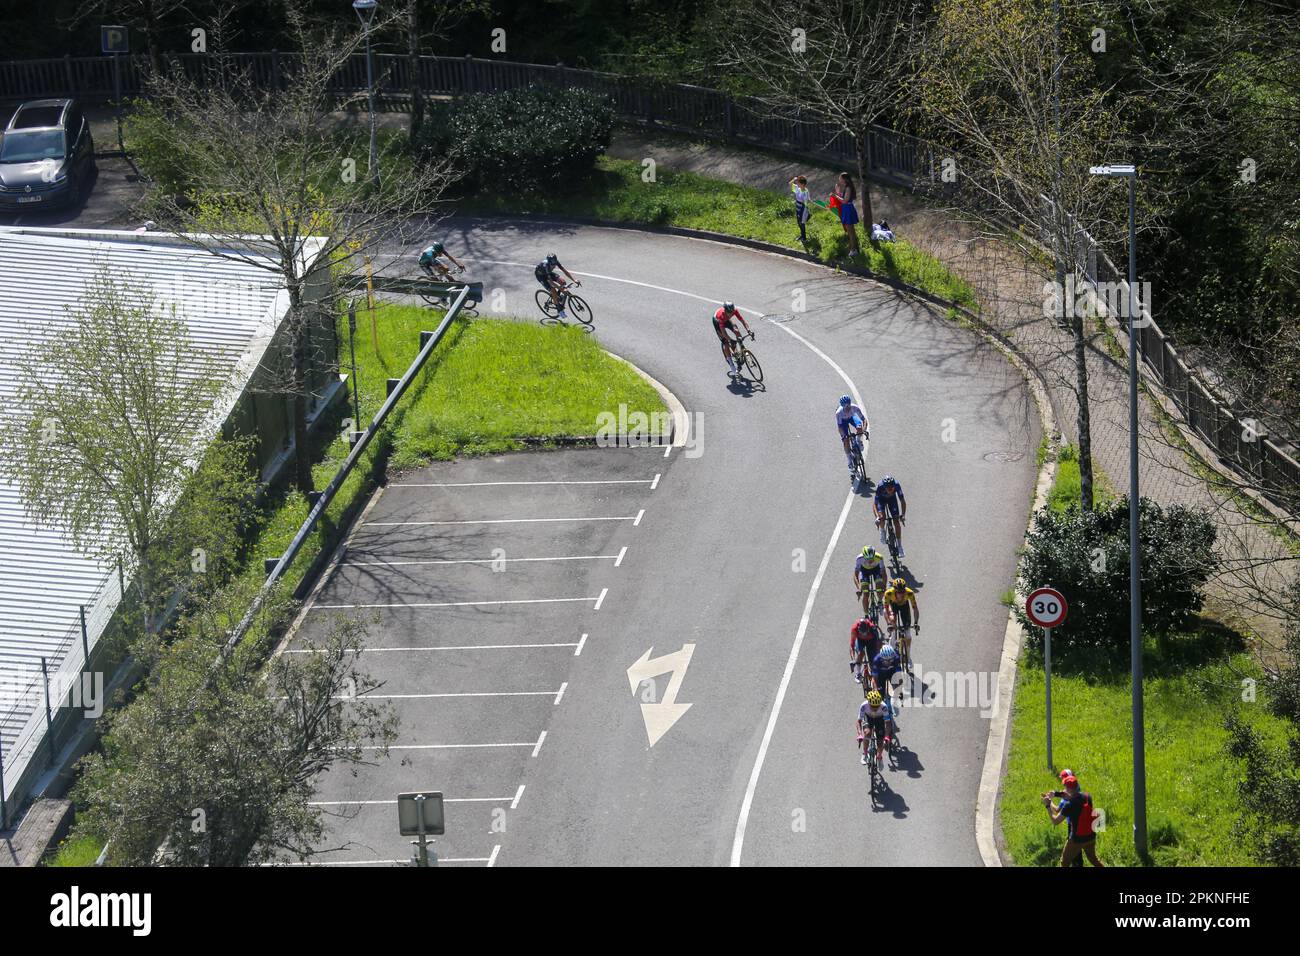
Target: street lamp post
x=1129, y=172
x=366, y=13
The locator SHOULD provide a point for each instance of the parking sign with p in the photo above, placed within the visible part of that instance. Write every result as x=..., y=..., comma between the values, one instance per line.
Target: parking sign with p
x=114, y=40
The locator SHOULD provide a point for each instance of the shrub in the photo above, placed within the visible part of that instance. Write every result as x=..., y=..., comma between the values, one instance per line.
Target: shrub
x=1084, y=555
x=149, y=136
x=520, y=141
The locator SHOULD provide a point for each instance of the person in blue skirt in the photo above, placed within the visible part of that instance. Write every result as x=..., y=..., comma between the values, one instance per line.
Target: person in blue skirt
x=847, y=194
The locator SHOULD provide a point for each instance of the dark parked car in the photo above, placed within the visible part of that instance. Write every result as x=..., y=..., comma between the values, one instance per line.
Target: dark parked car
x=47, y=158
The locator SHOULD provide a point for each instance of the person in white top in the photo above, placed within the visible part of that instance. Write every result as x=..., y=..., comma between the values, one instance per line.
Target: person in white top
x=802, y=205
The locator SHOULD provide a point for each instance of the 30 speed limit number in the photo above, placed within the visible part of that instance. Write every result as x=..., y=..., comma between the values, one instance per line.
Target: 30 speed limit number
x=1046, y=607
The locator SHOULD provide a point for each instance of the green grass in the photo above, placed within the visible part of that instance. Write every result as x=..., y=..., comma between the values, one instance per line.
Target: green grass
x=1067, y=485
x=77, y=850
x=493, y=382
x=1192, y=800
x=615, y=191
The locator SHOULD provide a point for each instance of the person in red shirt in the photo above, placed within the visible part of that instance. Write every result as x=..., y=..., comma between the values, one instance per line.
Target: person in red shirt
x=724, y=324
x=1076, y=808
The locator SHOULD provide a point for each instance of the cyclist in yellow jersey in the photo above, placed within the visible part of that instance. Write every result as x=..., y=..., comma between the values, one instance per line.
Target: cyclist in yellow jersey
x=902, y=614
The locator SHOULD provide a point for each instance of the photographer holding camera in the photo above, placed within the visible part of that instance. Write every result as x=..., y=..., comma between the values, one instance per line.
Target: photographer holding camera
x=1076, y=808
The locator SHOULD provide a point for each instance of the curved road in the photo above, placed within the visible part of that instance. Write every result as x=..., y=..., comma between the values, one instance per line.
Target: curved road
x=729, y=558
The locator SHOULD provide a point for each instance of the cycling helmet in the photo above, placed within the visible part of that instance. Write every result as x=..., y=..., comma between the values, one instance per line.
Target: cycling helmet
x=552, y=258
x=899, y=582
x=846, y=401
x=874, y=698
x=887, y=480
x=870, y=553
x=728, y=307
x=862, y=625
x=888, y=653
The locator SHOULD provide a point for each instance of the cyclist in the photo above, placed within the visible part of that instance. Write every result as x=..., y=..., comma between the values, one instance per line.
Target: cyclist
x=902, y=614
x=884, y=666
x=545, y=274
x=864, y=643
x=872, y=719
x=889, y=497
x=850, y=418
x=868, y=574
x=724, y=320
x=433, y=268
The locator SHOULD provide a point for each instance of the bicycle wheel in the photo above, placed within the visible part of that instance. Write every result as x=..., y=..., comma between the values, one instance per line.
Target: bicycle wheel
x=545, y=304
x=578, y=308
x=755, y=370
x=859, y=466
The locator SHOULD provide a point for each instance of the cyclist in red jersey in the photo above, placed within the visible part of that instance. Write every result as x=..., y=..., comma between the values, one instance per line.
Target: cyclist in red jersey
x=724, y=320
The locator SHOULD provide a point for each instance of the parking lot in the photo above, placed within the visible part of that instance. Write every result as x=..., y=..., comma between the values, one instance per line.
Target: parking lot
x=484, y=580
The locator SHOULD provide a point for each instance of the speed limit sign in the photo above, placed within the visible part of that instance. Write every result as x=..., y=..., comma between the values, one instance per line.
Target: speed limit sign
x=1046, y=607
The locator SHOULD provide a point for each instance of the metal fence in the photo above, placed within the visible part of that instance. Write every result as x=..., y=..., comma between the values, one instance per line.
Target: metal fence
x=889, y=156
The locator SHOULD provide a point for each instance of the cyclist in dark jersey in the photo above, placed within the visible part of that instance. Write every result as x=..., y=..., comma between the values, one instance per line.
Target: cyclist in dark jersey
x=886, y=504
x=545, y=274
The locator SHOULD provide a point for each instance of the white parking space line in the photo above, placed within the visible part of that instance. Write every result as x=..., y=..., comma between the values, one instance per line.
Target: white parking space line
x=491, y=861
x=619, y=559
x=639, y=515
x=486, y=693
x=514, y=804
x=386, y=803
x=451, y=647
x=421, y=524
x=540, y=740
x=655, y=484
x=577, y=648
x=348, y=607
x=442, y=859
x=535, y=744
x=559, y=694
x=600, y=600
x=396, y=564
x=491, y=484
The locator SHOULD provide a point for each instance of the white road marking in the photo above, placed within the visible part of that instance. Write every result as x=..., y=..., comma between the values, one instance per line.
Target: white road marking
x=518, y=796
x=394, y=564
x=655, y=484
x=529, y=743
x=450, y=647
x=484, y=484
x=559, y=694
x=348, y=607
x=577, y=649
x=441, y=860
x=423, y=524
x=540, y=741
x=486, y=693
x=372, y=803
x=660, y=716
x=600, y=600
x=493, y=858
x=619, y=559
x=639, y=515
x=668, y=451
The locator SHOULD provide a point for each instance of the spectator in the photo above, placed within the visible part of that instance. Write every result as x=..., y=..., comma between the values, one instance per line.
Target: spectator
x=1076, y=808
x=881, y=232
x=843, y=199
x=802, y=205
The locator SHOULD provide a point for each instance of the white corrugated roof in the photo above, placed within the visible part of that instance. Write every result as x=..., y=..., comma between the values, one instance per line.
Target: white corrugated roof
x=230, y=306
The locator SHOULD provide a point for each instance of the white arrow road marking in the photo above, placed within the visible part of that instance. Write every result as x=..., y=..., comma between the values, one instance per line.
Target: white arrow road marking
x=660, y=716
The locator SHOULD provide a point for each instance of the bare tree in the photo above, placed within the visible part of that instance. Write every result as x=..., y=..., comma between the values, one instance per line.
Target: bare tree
x=425, y=22
x=844, y=61
x=278, y=186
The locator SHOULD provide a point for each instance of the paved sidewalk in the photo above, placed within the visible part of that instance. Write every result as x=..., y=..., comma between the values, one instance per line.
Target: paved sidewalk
x=1012, y=289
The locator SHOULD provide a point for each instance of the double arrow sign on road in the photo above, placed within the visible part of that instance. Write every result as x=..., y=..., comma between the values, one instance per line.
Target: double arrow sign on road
x=662, y=714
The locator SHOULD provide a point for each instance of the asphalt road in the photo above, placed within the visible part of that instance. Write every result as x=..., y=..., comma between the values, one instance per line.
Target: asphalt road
x=743, y=548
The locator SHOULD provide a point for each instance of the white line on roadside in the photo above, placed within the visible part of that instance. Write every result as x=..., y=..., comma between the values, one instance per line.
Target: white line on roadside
x=493, y=858
x=577, y=648
x=540, y=740
x=487, y=484
x=449, y=647
x=639, y=515
x=655, y=484
x=394, y=564
x=348, y=607
x=528, y=743
x=600, y=600
x=743, y=820
x=668, y=451
x=619, y=559
x=559, y=694
x=424, y=524
x=387, y=803
x=518, y=796
x=441, y=860
x=484, y=693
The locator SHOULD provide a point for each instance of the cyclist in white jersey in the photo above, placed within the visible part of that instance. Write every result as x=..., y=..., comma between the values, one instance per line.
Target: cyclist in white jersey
x=850, y=418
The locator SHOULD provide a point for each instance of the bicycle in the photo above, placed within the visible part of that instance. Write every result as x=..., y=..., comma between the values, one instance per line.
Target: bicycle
x=570, y=302
x=745, y=359
x=441, y=298
x=875, y=757
x=891, y=538
x=873, y=607
x=859, y=463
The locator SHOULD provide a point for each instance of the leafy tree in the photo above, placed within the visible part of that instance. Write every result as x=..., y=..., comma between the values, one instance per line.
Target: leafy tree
x=1085, y=555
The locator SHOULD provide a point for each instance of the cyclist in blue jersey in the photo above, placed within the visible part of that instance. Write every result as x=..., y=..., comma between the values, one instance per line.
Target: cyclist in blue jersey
x=890, y=504
x=883, y=668
x=850, y=419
